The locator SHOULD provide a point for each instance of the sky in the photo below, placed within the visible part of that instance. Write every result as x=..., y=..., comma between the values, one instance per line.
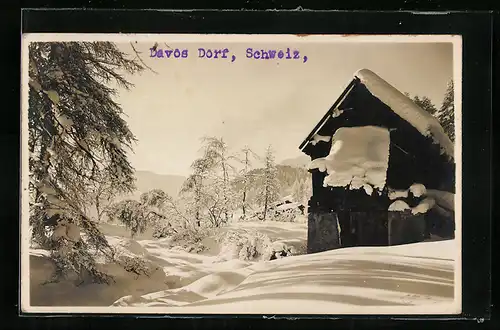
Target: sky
x=259, y=102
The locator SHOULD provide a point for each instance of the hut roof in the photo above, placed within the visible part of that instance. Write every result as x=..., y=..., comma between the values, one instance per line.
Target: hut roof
x=401, y=105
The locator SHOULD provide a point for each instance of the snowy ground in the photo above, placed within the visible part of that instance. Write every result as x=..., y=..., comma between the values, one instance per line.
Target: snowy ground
x=216, y=281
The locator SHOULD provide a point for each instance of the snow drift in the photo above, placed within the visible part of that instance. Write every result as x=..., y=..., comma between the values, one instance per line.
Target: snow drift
x=406, y=279
x=358, y=158
x=418, y=276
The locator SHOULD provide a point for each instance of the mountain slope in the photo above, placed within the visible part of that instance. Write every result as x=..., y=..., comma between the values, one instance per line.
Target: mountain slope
x=171, y=184
x=301, y=161
x=288, y=177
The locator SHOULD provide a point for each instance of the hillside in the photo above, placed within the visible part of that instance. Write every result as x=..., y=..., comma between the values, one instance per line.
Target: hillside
x=294, y=170
x=301, y=161
x=293, y=181
x=171, y=184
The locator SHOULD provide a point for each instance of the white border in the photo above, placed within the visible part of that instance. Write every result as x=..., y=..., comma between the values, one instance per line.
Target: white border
x=457, y=99
x=456, y=40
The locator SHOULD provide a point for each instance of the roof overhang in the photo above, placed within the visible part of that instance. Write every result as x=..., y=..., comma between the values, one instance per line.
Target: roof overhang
x=329, y=113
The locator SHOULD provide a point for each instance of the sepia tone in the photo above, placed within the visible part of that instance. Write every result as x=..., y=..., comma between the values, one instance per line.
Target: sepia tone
x=214, y=174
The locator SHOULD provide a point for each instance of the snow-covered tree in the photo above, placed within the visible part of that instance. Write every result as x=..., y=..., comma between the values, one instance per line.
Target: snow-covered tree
x=75, y=132
x=426, y=104
x=447, y=112
x=269, y=184
x=215, y=202
x=217, y=150
x=194, y=187
x=131, y=214
x=301, y=190
x=246, y=178
x=148, y=212
x=210, y=184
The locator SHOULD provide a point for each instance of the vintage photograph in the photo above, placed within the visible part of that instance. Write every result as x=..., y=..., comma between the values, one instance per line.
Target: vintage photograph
x=241, y=174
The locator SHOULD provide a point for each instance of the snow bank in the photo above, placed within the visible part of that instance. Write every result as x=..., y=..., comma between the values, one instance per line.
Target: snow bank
x=405, y=108
x=66, y=292
x=358, y=158
x=414, y=277
x=417, y=277
x=171, y=268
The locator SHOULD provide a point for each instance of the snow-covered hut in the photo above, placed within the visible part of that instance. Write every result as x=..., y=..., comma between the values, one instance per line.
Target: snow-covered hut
x=375, y=155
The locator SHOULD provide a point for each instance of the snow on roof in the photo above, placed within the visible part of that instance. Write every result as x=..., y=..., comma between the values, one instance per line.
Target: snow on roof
x=405, y=108
x=358, y=158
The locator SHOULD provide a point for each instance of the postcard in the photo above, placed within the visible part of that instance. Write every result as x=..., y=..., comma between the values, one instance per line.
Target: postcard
x=241, y=174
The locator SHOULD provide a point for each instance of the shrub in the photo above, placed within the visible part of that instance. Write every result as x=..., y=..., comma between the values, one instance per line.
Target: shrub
x=248, y=245
x=135, y=265
x=187, y=238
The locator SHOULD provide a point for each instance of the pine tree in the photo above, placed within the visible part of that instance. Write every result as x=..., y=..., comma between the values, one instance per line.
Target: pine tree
x=426, y=104
x=75, y=133
x=270, y=185
x=447, y=112
x=301, y=191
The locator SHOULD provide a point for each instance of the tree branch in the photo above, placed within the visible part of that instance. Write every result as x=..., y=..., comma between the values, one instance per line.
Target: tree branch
x=137, y=53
